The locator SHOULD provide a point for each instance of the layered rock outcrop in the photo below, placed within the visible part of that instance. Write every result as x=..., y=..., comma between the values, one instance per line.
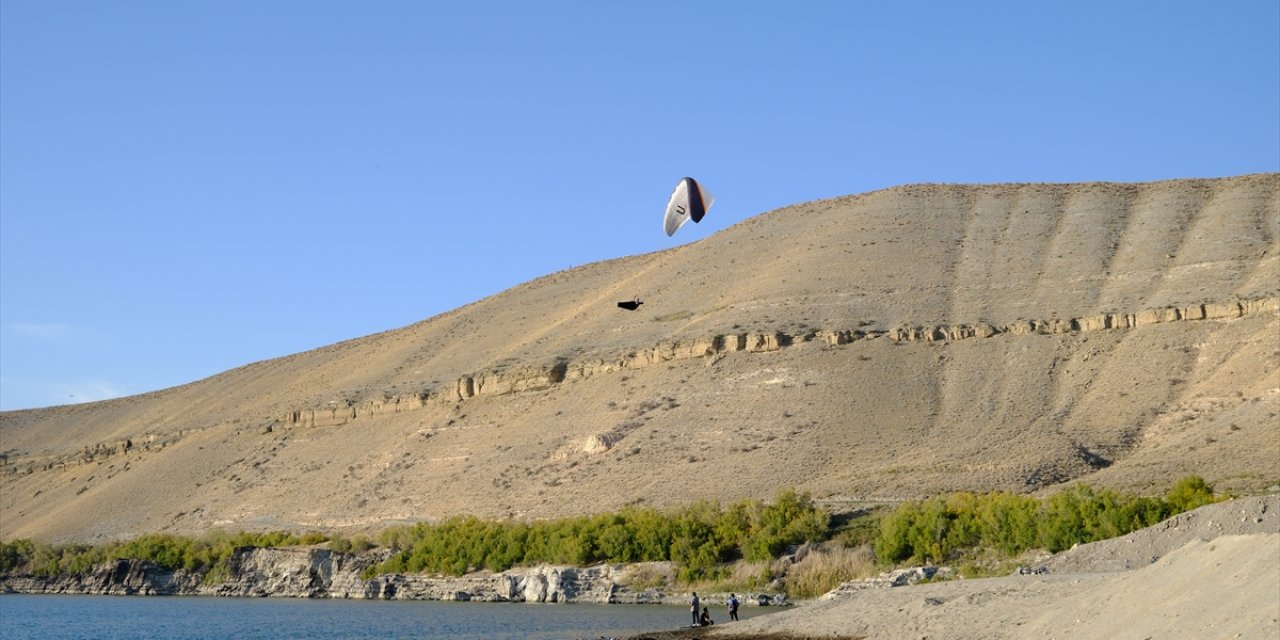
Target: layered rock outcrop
x=340, y=412
x=114, y=578
x=530, y=378
x=498, y=383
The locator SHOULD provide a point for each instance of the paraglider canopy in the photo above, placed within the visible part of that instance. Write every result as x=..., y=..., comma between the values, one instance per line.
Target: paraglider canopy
x=689, y=201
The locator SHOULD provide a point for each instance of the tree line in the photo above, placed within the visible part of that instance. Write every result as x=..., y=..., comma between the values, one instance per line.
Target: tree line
x=701, y=540
x=207, y=553
x=698, y=539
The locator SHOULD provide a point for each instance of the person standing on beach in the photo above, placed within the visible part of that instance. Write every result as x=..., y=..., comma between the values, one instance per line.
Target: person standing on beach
x=733, y=607
x=693, y=606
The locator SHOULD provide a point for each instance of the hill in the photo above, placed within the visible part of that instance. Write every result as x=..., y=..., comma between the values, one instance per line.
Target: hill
x=892, y=344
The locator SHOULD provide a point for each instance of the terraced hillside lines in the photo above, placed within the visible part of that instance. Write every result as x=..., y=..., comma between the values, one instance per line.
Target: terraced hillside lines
x=1076, y=254
x=1211, y=243
x=893, y=344
x=1149, y=245
x=1265, y=236
x=1020, y=265
x=986, y=217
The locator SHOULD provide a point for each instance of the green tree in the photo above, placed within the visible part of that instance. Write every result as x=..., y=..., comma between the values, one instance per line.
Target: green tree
x=1189, y=493
x=1008, y=522
x=894, y=543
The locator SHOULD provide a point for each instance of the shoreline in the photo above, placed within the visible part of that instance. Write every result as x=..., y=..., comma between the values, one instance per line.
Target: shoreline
x=318, y=573
x=1212, y=571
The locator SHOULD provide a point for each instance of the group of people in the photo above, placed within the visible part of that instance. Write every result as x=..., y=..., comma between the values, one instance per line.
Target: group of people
x=703, y=618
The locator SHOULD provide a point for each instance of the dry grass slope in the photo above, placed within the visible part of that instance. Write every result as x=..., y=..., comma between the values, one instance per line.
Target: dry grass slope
x=886, y=345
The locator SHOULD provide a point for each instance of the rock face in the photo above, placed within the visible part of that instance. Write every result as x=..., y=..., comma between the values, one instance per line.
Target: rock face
x=115, y=578
x=298, y=573
x=888, y=579
x=320, y=573
x=540, y=584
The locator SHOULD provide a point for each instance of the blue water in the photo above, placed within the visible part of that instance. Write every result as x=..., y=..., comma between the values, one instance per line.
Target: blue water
x=42, y=617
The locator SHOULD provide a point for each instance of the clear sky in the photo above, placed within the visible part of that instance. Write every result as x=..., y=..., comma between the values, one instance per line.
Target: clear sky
x=191, y=186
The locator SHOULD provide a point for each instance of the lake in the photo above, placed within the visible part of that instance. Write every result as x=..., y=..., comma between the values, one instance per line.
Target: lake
x=80, y=617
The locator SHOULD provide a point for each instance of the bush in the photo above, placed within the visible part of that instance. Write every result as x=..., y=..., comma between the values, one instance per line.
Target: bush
x=356, y=544
x=827, y=568
x=646, y=576
x=16, y=554
x=941, y=528
x=1190, y=493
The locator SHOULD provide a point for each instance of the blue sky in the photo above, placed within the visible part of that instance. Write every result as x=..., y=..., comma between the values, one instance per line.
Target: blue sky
x=187, y=187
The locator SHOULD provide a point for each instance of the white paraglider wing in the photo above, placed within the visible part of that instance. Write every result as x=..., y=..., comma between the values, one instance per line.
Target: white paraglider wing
x=689, y=201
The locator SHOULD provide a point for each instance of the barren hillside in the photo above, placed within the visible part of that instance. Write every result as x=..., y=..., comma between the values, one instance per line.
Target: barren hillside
x=878, y=346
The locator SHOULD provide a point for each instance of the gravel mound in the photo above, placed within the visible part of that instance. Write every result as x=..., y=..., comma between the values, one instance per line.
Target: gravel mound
x=1243, y=516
